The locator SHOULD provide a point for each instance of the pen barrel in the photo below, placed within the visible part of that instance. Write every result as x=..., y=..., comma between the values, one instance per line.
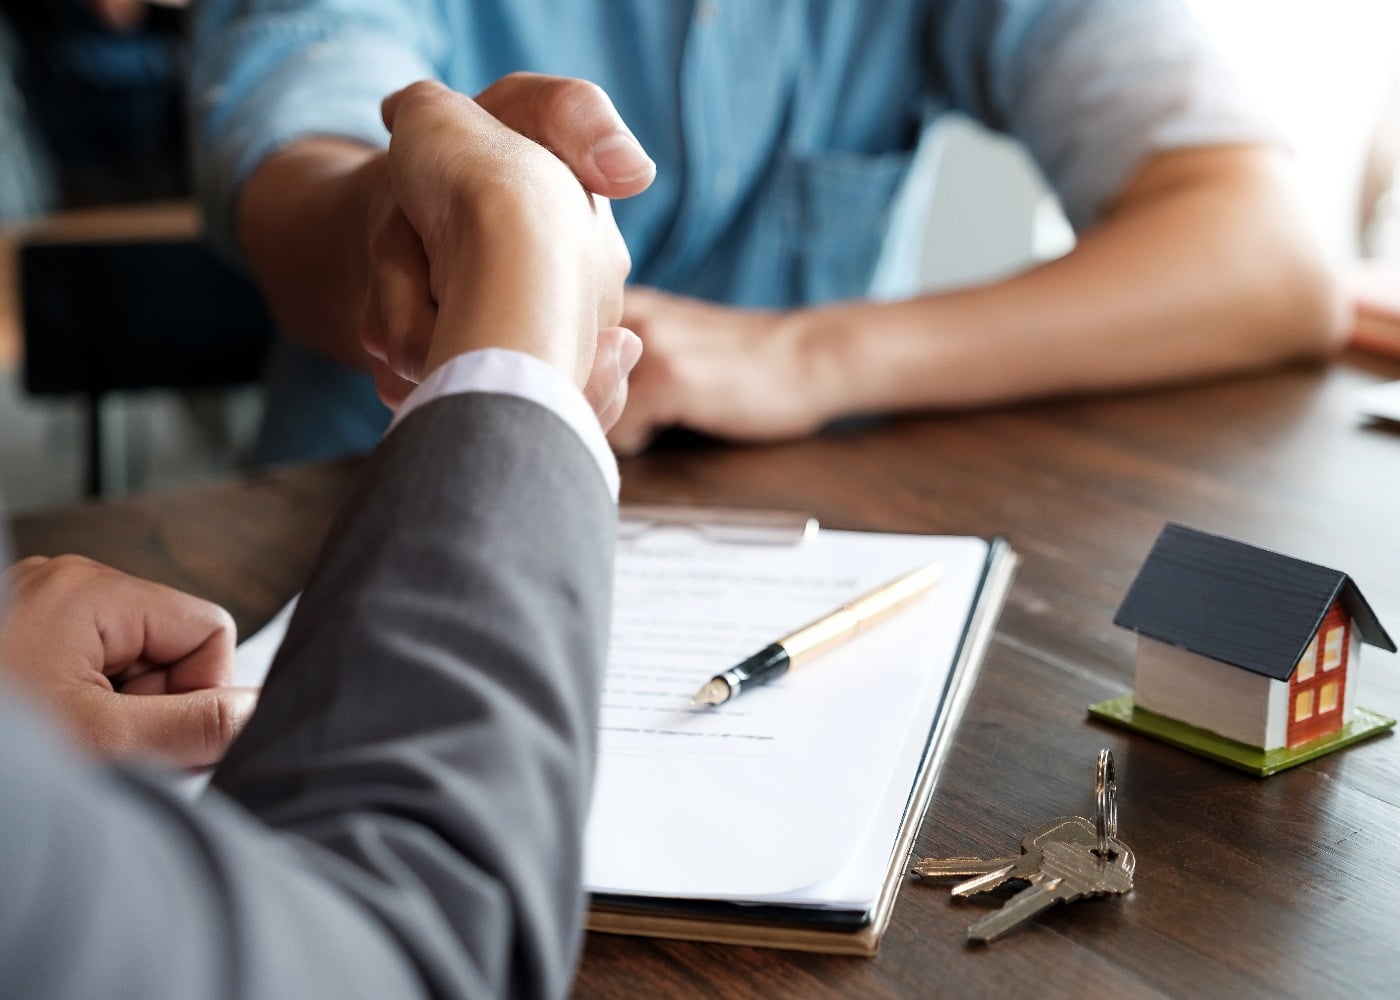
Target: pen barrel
x=851, y=619
x=810, y=641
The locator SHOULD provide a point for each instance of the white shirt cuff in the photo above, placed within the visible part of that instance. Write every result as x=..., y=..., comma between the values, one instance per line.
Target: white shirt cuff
x=515, y=373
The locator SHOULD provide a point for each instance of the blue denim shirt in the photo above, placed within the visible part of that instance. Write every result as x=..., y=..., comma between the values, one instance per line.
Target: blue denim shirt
x=781, y=129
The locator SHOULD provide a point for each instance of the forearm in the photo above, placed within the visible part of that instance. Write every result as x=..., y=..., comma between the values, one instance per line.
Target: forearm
x=433, y=709
x=284, y=105
x=238, y=896
x=1183, y=279
x=302, y=225
x=417, y=774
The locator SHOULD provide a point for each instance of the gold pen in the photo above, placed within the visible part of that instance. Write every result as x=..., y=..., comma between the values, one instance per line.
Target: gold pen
x=816, y=637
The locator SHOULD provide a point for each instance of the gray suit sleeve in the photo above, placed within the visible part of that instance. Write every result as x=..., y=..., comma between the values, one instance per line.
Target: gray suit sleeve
x=403, y=815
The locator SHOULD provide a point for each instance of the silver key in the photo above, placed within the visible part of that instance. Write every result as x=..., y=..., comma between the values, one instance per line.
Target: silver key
x=1068, y=871
x=994, y=872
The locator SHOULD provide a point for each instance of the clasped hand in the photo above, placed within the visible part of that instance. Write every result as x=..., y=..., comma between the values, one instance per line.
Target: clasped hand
x=488, y=227
x=130, y=667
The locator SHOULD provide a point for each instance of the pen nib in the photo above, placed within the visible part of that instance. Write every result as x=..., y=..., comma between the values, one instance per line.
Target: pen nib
x=715, y=692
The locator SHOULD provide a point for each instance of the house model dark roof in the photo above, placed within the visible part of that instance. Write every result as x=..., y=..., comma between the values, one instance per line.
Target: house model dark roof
x=1239, y=604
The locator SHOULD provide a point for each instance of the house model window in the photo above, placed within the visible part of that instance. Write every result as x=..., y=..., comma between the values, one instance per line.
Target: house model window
x=1246, y=644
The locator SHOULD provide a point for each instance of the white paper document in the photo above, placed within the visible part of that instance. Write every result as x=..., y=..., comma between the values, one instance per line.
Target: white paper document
x=1381, y=401
x=794, y=792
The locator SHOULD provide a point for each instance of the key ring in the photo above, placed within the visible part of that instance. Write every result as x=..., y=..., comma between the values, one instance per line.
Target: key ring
x=1105, y=803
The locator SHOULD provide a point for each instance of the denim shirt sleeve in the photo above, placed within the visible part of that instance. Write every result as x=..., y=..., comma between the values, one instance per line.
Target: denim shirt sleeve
x=268, y=72
x=1091, y=87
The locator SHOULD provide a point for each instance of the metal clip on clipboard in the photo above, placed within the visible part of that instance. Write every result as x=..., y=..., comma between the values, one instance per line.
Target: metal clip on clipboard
x=718, y=524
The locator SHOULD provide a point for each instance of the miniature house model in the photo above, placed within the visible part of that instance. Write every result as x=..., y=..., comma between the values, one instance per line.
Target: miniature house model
x=1254, y=646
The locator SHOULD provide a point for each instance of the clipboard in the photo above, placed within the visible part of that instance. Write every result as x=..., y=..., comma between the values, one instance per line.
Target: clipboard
x=842, y=929
x=718, y=524
x=790, y=537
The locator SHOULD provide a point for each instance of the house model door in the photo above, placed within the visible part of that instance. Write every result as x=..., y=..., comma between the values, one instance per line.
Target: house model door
x=1318, y=687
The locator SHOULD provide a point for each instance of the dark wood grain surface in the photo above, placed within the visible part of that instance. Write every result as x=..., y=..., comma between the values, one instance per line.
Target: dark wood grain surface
x=1286, y=886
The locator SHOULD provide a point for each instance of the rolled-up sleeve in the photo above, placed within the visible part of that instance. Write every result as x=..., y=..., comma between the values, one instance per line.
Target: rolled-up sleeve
x=1092, y=87
x=268, y=72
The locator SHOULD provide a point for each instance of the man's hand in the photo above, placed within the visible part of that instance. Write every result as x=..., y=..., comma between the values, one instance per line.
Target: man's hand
x=734, y=373
x=467, y=211
x=131, y=667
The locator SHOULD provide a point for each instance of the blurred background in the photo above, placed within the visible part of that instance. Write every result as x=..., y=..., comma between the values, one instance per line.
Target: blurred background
x=92, y=150
x=93, y=159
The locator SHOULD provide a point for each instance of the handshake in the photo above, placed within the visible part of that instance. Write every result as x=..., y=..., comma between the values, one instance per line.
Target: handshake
x=489, y=226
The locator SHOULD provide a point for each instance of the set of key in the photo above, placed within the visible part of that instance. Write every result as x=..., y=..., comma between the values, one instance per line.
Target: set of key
x=1068, y=858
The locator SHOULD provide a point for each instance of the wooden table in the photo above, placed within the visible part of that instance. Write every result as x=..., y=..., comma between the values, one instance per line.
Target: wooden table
x=1288, y=886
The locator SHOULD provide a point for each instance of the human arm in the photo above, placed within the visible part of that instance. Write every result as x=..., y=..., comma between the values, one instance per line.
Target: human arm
x=1203, y=266
x=407, y=807
x=407, y=804
x=1193, y=257
x=339, y=263
x=290, y=163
